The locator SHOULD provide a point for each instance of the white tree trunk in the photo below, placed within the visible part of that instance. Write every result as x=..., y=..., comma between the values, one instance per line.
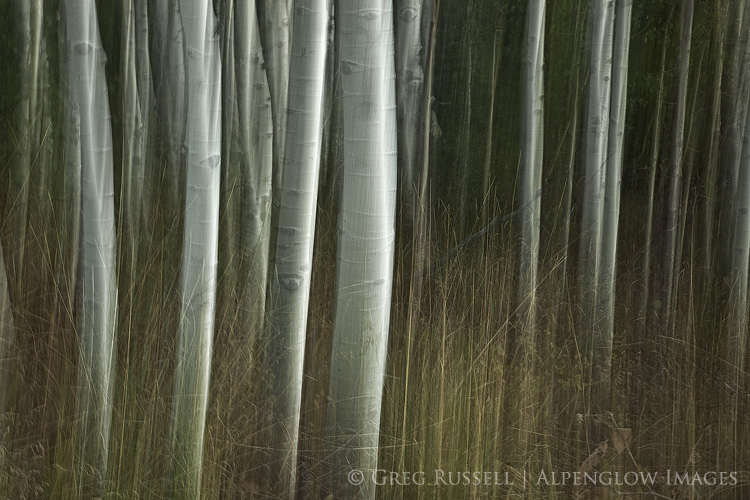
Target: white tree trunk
x=603, y=340
x=291, y=267
x=365, y=245
x=597, y=131
x=532, y=140
x=256, y=150
x=409, y=89
x=97, y=288
x=275, y=17
x=200, y=243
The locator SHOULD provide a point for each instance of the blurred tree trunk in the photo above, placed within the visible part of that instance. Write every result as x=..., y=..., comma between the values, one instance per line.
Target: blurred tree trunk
x=532, y=140
x=275, y=22
x=256, y=153
x=615, y=143
x=200, y=245
x=28, y=123
x=675, y=187
x=8, y=365
x=365, y=246
x=574, y=97
x=532, y=153
x=97, y=290
x=711, y=195
x=601, y=17
x=738, y=289
x=732, y=123
x=137, y=102
x=293, y=235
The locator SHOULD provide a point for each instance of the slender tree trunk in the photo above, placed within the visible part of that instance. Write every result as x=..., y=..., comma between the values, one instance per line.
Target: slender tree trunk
x=200, y=245
x=97, y=291
x=597, y=132
x=137, y=99
x=167, y=57
x=289, y=281
x=738, y=291
x=487, y=199
x=710, y=187
x=532, y=140
x=410, y=79
x=532, y=151
x=275, y=22
x=732, y=123
x=615, y=143
x=675, y=188
x=366, y=244
x=8, y=364
x=647, y=308
x=28, y=124
x=256, y=156
x=574, y=95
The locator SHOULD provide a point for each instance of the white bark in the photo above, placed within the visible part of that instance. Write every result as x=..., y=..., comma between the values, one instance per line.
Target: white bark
x=256, y=149
x=532, y=140
x=200, y=243
x=97, y=290
x=366, y=243
x=597, y=132
x=410, y=81
x=603, y=341
x=275, y=17
x=289, y=286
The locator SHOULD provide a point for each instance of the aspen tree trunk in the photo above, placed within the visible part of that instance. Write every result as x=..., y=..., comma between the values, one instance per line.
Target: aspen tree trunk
x=710, y=187
x=532, y=140
x=28, y=123
x=675, y=187
x=532, y=144
x=291, y=267
x=615, y=142
x=167, y=55
x=137, y=99
x=200, y=242
x=732, y=123
x=97, y=289
x=597, y=132
x=738, y=291
x=647, y=308
x=573, y=97
x=230, y=218
x=256, y=156
x=275, y=22
x=365, y=246
x=487, y=199
x=8, y=364
x=410, y=81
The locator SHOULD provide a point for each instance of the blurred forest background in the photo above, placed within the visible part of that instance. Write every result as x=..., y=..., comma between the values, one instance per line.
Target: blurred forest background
x=570, y=264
